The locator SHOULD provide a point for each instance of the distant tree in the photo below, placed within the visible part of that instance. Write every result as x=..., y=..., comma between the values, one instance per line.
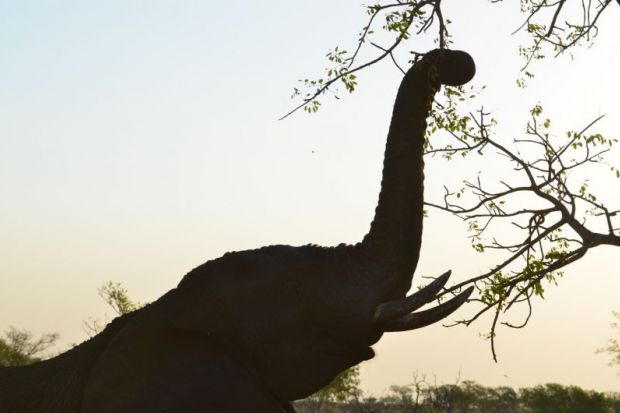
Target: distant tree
x=118, y=299
x=502, y=400
x=613, y=346
x=20, y=347
x=614, y=402
x=400, y=399
x=555, y=398
x=469, y=397
x=368, y=404
x=342, y=388
x=450, y=398
x=404, y=398
x=476, y=398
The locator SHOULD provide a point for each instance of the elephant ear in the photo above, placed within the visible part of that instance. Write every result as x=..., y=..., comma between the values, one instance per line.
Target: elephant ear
x=152, y=375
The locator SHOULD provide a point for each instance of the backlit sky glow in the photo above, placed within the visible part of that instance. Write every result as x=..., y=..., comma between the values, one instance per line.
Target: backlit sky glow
x=140, y=139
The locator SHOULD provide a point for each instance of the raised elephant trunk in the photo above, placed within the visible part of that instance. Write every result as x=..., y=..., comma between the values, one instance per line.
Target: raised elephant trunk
x=395, y=234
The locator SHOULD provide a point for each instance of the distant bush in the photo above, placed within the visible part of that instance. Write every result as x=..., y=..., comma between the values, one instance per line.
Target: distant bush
x=471, y=397
x=20, y=347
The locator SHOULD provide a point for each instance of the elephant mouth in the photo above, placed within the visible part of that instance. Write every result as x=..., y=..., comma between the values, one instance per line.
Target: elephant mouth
x=401, y=314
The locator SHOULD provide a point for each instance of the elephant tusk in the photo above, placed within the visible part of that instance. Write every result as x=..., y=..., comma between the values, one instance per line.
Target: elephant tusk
x=398, y=308
x=424, y=318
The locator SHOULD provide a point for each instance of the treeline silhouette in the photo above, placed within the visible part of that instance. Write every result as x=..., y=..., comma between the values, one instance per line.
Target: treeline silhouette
x=470, y=397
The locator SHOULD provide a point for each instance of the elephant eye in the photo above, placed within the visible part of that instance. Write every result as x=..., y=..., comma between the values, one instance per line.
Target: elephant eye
x=291, y=288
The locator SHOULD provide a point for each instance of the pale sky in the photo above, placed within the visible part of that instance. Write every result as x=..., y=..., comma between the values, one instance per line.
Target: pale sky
x=140, y=139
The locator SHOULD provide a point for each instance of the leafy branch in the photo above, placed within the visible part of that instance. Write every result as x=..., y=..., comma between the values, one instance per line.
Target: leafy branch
x=400, y=18
x=544, y=22
x=551, y=217
x=555, y=24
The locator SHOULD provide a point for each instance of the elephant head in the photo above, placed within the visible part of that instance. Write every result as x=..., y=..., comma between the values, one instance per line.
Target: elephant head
x=255, y=329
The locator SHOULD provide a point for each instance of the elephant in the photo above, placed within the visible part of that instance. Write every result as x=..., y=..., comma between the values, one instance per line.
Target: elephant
x=254, y=330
